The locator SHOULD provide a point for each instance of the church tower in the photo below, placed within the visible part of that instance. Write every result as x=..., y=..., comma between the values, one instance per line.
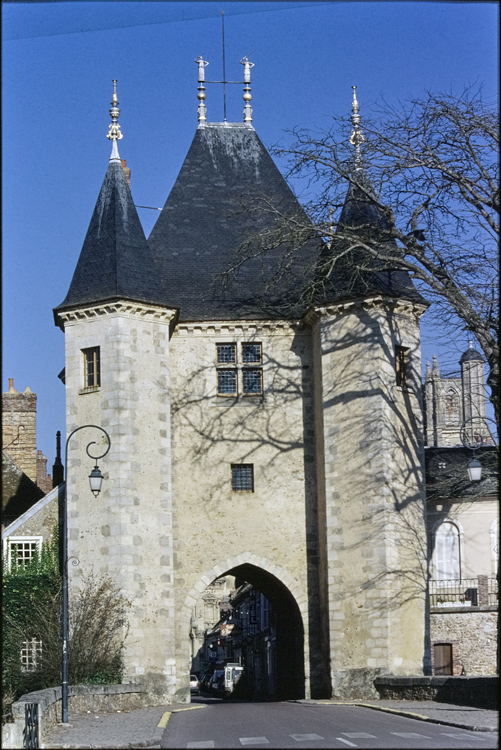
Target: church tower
x=455, y=401
x=116, y=328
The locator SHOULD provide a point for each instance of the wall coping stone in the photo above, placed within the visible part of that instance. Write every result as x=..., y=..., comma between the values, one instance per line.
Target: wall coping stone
x=463, y=610
x=480, y=691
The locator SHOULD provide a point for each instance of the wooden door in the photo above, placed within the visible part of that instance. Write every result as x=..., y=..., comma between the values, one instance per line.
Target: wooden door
x=442, y=653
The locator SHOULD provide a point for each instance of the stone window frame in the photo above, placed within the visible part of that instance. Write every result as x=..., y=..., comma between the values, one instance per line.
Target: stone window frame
x=402, y=366
x=91, y=379
x=457, y=666
x=494, y=534
x=460, y=531
x=242, y=369
x=13, y=541
x=449, y=390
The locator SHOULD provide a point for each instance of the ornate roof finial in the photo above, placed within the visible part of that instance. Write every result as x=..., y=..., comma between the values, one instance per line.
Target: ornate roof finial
x=114, y=133
x=202, y=109
x=470, y=343
x=356, y=137
x=247, y=94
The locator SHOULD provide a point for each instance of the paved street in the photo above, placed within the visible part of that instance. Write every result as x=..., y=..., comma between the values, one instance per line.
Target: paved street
x=287, y=725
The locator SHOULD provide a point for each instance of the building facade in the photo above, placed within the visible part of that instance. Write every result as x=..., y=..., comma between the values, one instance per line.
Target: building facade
x=463, y=522
x=250, y=437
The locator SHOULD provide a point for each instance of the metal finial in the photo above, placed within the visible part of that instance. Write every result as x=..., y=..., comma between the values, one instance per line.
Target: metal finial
x=202, y=109
x=247, y=94
x=470, y=343
x=114, y=133
x=356, y=137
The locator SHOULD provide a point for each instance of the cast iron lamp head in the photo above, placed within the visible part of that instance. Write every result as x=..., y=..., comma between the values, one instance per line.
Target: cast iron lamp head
x=96, y=479
x=475, y=470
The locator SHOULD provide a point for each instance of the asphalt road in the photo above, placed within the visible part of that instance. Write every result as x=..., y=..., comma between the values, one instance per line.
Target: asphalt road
x=213, y=724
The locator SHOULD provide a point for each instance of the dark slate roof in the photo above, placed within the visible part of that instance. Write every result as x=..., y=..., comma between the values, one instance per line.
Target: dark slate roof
x=358, y=215
x=209, y=214
x=471, y=355
x=19, y=492
x=115, y=261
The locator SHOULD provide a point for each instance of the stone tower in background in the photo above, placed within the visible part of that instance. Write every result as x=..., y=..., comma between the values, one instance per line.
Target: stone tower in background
x=455, y=399
x=19, y=435
x=19, y=429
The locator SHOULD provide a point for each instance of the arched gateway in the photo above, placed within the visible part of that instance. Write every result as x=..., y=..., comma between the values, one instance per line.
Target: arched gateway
x=290, y=604
x=242, y=419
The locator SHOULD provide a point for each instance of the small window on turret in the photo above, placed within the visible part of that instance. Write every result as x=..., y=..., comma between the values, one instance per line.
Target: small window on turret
x=402, y=365
x=92, y=367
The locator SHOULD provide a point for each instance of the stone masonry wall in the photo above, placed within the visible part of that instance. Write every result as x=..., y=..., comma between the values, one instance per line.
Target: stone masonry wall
x=373, y=485
x=19, y=434
x=476, y=633
x=273, y=528
x=126, y=532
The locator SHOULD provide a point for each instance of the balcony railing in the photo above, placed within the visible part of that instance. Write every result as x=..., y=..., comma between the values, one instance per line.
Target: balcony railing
x=464, y=592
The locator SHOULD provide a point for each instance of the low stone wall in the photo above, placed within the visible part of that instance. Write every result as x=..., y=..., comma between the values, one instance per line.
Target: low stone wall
x=478, y=692
x=476, y=633
x=81, y=698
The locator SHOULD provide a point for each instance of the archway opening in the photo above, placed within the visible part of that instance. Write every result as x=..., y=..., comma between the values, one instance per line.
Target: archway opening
x=260, y=629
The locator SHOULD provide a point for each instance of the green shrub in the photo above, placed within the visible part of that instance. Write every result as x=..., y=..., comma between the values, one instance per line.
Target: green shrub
x=32, y=610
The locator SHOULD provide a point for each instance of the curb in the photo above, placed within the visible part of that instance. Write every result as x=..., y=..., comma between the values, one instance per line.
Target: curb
x=399, y=712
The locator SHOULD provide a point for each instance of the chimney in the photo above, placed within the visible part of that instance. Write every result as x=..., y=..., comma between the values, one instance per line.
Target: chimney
x=43, y=481
x=11, y=386
x=126, y=170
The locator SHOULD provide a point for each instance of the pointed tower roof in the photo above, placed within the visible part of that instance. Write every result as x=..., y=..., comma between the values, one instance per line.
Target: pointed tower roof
x=115, y=261
x=360, y=214
x=209, y=213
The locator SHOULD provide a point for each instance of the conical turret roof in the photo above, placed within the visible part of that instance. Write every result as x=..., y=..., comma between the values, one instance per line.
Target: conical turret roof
x=356, y=274
x=115, y=261
x=228, y=191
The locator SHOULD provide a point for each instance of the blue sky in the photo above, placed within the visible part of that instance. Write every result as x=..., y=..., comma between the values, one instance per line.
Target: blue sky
x=58, y=63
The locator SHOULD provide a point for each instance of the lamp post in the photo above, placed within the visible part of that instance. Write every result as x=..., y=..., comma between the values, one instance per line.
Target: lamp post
x=95, y=479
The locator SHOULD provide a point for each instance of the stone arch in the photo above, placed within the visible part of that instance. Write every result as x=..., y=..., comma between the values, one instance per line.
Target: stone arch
x=277, y=584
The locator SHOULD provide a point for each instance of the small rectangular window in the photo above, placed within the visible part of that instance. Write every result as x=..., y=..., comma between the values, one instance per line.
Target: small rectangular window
x=402, y=365
x=252, y=382
x=92, y=367
x=31, y=655
x=251, y=354
x=242, y=477
x=226, y=354
x=21, y=551
x=227, y=382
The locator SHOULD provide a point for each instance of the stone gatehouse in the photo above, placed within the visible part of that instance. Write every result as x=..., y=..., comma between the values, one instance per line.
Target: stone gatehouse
x=250, y=436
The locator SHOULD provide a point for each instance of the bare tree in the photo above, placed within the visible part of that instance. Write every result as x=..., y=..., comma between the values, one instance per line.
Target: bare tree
x=425, y=180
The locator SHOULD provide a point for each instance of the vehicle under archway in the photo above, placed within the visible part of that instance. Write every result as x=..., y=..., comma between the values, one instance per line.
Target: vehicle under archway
x=271, y=650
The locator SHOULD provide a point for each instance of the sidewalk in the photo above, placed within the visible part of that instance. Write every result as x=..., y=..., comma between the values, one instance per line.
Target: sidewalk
x=117, y=729
x=139, y=728
x=463, y=717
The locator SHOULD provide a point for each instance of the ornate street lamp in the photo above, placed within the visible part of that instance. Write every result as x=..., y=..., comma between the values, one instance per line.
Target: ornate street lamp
x=467, y=437
x=95, y=479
